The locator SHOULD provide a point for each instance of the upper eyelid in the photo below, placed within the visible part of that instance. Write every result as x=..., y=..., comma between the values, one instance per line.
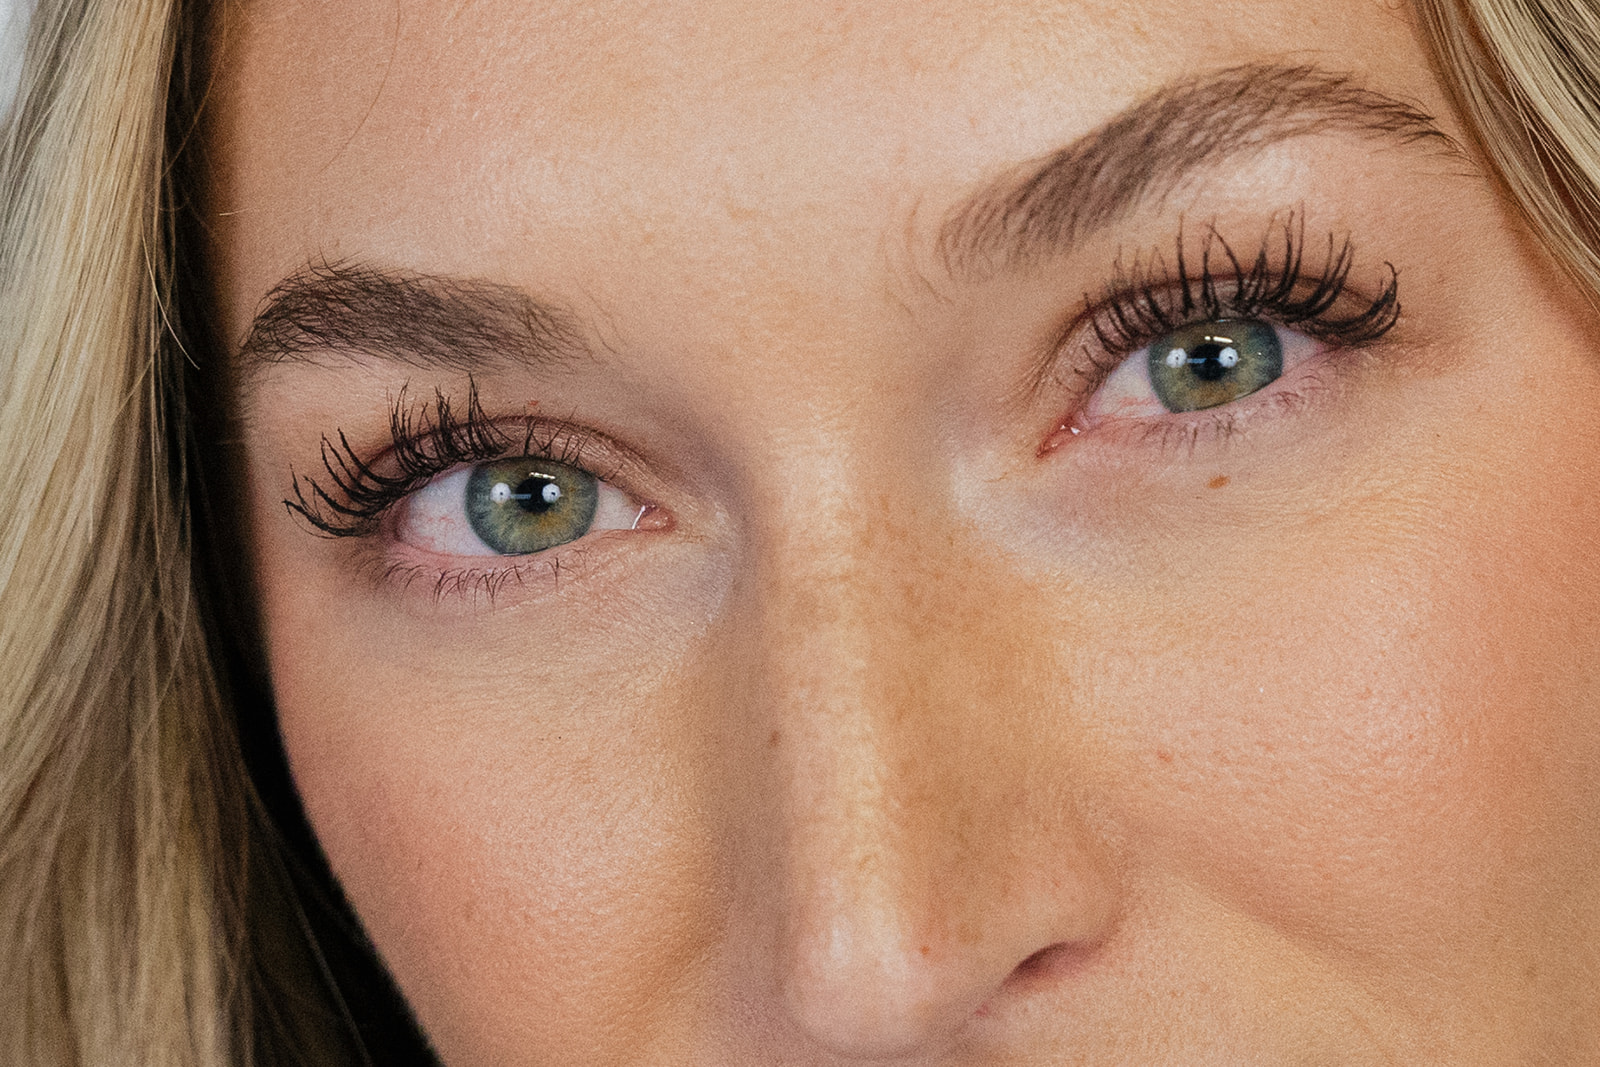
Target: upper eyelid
x=428, y=447
x=1165, y=288
x=1153, y=294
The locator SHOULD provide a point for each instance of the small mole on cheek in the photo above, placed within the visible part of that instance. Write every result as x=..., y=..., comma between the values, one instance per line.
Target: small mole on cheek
x=772, y=742
x=1218, y=482
x=1163, y=755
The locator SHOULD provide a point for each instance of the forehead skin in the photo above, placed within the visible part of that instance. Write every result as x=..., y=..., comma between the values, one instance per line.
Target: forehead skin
x=488, y=126
x=907, y=740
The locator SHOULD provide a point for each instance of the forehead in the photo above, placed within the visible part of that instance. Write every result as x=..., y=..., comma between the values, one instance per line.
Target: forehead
x=691, y=142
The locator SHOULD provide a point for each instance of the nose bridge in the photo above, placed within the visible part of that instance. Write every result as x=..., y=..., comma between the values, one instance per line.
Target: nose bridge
x=897, y=678
x=859, y=612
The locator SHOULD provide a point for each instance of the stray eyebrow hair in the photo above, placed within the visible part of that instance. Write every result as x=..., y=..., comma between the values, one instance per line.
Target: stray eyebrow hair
x=433, y=322
x=1144, y=153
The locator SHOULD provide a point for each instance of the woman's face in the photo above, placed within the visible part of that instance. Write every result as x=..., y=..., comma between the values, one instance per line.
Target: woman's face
x=919, y=533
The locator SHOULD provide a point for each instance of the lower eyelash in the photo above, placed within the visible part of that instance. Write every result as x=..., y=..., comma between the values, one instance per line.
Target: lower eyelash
x=472, y=583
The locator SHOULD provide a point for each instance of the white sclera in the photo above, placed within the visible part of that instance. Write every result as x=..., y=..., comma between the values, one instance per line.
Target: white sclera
x=434, y=518
x=1127, y=393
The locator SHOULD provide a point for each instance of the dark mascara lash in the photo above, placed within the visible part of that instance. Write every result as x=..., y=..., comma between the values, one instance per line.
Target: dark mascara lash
x=1145, y=301
x=426, y=441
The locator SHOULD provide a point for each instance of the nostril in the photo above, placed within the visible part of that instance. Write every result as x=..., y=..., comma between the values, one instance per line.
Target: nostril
x=1050, y=963
x=1035, y=963
x=1045, y=967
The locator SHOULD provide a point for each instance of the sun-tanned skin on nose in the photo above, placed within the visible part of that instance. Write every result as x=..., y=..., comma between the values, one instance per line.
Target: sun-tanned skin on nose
x=964, y=701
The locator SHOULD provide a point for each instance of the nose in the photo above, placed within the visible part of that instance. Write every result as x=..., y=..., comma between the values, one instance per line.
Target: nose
x=935, y=856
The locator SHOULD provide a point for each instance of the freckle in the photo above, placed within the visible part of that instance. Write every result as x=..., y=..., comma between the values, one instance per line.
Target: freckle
x=1218, y=482
x=1163, y=755
x=772, y=742
x=925, y=950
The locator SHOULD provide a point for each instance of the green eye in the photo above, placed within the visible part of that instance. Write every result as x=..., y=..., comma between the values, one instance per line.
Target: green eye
x=525, y=505
x=1213, y=363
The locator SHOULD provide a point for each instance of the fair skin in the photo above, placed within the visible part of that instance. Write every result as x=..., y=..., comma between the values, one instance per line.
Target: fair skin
x=943, y=699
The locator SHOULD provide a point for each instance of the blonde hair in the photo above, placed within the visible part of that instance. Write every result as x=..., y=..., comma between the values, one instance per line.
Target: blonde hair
x=1525, y=75
x=117, y=852
x=126, y=821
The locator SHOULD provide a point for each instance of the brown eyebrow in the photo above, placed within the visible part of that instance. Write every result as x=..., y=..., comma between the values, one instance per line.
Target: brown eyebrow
x=353, y=311
x=1144, y=153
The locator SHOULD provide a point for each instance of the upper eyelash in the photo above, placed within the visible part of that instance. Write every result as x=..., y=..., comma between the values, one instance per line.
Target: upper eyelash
x=1142, y=302
x=427, y=440
x=1146, y=300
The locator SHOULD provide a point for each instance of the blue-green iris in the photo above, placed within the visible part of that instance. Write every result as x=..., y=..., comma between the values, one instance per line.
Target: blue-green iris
x=1213, y=363
x=523, y=505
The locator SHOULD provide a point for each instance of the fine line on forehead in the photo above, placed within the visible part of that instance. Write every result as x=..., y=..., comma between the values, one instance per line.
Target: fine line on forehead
x=1044, y=207
x=358, y=312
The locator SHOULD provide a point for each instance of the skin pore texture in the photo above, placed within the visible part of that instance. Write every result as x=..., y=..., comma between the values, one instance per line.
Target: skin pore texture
x=942, y=706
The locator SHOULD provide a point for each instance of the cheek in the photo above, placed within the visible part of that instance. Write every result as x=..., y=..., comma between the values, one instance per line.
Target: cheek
x=509, y=805
x=1372, y=737
x=1378, y=735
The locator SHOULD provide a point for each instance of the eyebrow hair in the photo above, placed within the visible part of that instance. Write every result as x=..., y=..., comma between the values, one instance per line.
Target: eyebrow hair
x=1043, y=206
x=1145, y=152
x=427, y=321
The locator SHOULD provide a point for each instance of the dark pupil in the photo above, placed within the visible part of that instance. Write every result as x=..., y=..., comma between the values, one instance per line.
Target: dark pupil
x=531, y=496
x=1208, y=364
x=1205, y=362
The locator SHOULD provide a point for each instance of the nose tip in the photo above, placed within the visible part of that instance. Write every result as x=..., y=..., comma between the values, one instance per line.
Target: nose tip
x=927, y=836
x=885, y=966
x=861, y=989
x=866, y=990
